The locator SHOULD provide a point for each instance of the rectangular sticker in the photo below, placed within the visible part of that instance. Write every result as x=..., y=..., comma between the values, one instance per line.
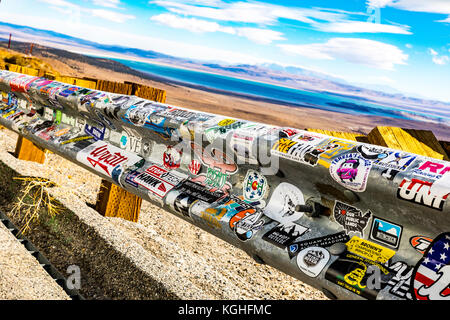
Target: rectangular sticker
x=104, y=157
x=386, y=232
x=369, y=250
x=158, y=180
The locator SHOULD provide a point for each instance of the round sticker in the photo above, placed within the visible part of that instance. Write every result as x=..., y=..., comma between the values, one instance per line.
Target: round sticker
x=172, y=158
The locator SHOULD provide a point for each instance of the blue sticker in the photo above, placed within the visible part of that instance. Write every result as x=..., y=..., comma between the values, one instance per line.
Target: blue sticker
x=386, y=232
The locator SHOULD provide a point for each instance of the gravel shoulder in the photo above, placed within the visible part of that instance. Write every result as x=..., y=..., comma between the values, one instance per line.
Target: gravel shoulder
x=160, y=257
x=21, y=276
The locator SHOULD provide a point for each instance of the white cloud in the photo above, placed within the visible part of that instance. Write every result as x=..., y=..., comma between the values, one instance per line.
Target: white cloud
x=447, y=20
x=362, y=27
x=248, y=12
x=191, y=24
x=111, y=15
x=378, y=3
x=327, y=20
x=76, y=11
x=442, y=60
x=257, y=35
x=60, y=3
x=104, y=35
x=354, y=50
x=430, y=6
x=107, y=3
x=261, y=36
x=432, y=52
x=439, y=60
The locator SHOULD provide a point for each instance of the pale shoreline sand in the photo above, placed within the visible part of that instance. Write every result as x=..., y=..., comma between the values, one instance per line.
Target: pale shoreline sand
x=232, y=104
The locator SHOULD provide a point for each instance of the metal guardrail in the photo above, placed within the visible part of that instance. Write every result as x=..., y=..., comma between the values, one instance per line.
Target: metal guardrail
x=354, y=220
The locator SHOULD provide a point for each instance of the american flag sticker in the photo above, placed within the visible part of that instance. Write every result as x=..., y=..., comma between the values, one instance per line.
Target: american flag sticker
x=431, y=277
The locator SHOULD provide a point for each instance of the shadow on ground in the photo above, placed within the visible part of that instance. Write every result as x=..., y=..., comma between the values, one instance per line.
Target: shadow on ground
x=66, y=241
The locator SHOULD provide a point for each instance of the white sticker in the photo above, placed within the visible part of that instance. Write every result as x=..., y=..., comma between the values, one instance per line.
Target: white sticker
x=312, y=260
x=281, y=206
x=351, y=170
x=104, y=157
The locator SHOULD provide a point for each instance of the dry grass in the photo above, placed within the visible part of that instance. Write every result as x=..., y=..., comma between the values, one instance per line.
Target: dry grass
x=34, y=201
x=13, y=57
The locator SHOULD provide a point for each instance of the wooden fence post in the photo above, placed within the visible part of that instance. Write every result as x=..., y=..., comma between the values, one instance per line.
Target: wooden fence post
x=113, y=201
x=421, y=142
x=27, y=150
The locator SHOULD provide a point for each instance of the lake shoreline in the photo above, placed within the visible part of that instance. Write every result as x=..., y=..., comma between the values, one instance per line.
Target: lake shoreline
x=225, y=103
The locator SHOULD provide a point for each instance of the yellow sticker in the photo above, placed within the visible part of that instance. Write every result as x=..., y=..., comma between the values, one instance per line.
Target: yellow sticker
x=283, y=145
x=332, y=147
x=369, y=250
x=226, y=122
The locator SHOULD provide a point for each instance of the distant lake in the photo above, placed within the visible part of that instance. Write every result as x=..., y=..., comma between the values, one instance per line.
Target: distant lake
x=279, y=94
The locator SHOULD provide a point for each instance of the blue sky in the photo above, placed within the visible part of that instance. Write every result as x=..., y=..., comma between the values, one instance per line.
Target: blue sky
x=403, y=44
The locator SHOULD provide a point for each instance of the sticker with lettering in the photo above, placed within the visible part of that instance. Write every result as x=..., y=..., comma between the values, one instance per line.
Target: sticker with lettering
x=158, y=180
x=431, y=276
x=369, y=250
x=351, y=170
x=386, y=232
x=359, y=275
x=326, y=150
x=103, y=158
x=312, y=260
x=322, y=242
x=284, y=234
x=351, y=218
x=432, y=169
x=423, y=193
x=400, y=283
x=292, y=150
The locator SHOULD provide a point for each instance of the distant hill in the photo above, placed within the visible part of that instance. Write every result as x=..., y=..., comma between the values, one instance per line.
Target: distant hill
x=290, y=76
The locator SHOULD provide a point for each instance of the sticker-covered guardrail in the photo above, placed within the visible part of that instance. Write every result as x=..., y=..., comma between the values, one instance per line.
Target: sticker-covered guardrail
x=352, y=219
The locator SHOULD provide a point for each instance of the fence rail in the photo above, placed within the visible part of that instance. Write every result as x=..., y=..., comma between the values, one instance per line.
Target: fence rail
x=352, y=219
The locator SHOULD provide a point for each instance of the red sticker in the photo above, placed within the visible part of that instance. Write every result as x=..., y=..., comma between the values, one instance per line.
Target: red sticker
x=195, y=166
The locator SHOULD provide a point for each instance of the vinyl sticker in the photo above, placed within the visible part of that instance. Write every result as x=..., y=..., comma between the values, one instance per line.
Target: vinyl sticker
x=283, y=201
x=400, y=283
x=172, y=158
x=423, y=193
x=386, y=232
x=351, y=171
x=284, y=234
x=431, y=276
x=247, y=227
x=351, y=272
x=104, y=158
x=158, y=180
x=292, y=150
x=369, y=250
x=312, y=260
x=322, y=242
x=420, y=243
x=195, y=166
x=351, y=218
x=432, y=169
x=254, y=186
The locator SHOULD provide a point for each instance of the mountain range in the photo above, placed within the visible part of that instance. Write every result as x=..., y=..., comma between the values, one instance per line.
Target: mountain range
x=289, y=76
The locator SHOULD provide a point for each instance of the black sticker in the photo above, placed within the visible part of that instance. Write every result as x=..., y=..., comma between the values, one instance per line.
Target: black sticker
x=351, y=218
x=199, y=192
x=323, y=242
x=359, y=275
x=283, y=235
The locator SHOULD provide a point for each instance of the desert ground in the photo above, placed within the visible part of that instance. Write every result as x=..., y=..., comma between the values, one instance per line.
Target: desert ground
x=224, y=103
